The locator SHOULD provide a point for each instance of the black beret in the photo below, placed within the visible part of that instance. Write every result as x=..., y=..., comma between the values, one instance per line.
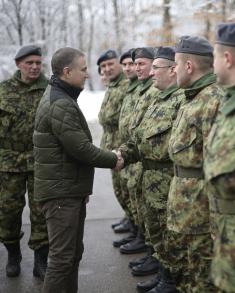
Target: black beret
x=165, y=53
x=126, y=54
x=226, y=34
x=27, y=51
x=109, y=54
x=144, y=52
x=194, y=45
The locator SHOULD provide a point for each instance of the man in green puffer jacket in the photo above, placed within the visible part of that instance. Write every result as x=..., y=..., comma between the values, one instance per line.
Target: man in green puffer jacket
x=64, y=168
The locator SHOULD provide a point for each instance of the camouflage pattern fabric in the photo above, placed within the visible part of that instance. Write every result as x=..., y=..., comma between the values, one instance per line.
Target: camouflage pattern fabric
x=110, y=112
x=219, y=169
x=18, y=104
x=143, y=97
x=152, y=138
x=188, y=207
x=12, y=202
x=109, y=119
x=127, y=173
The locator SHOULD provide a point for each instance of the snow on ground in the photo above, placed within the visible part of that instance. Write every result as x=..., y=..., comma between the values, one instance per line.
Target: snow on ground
x=90, y=103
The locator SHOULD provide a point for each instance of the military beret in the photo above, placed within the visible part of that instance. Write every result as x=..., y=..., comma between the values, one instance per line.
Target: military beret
x=144, y=52
x=226, y=34
x=125, y=55
x=27, y=51
x=194, y=45
x=165, y=53
x=109, y=54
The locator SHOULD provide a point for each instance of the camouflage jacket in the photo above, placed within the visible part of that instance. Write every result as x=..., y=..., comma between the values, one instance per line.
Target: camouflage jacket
x=110, y=112
x=127, y=110
x=143, y=97
x=188, y=210
x=18, y=104
x=219, y=167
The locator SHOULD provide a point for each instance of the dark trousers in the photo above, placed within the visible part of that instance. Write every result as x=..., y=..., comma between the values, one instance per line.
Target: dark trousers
x=65, y=223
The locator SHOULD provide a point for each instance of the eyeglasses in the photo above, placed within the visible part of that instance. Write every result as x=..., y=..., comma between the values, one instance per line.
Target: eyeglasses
x=155, y=67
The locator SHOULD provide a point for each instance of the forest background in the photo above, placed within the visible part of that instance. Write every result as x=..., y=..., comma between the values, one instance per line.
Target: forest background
x=96, y=25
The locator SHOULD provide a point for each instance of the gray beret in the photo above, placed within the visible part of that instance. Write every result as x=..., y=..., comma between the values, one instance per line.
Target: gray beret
x=194, y=45
x=165, y=53
x=226, y=34
x=126, y=54
x=144, y=52
x=107, y=55
x=27, y=51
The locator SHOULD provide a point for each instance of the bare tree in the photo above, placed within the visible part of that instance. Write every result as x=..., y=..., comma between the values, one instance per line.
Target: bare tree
x=80, y=24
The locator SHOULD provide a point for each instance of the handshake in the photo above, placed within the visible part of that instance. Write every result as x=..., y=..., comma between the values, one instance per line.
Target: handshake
x=120, y=160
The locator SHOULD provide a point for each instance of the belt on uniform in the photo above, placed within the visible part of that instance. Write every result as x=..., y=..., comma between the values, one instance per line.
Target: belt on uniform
x=155, y=165
x=188, y=172
x=222, y=206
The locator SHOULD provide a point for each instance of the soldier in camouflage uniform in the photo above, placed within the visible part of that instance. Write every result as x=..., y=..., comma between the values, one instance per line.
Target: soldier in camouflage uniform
x=189, y=238
x=219, y=164
x=151, y=147
x=19, y=98
x=109, y=118
x=145, y=94
x=124, y=123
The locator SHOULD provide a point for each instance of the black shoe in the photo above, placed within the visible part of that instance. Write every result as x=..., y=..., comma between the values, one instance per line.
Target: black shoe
x=118, y=243
x=123, y=227
x=40, y=262
x=164, y=287
x=148, y=285
x=14, y=260
x=135, y=246
x=118, y=223
x=149, y=267
x=138, y=261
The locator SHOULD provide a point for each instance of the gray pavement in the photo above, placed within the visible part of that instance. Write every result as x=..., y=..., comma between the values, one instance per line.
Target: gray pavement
x=103, y=269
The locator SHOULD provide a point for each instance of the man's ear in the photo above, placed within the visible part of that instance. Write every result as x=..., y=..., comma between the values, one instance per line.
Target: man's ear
x=66, y=72
x=229, y=59
x=189, y=66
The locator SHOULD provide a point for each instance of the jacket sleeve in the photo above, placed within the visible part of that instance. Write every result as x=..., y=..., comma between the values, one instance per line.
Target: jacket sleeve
x=67, y=127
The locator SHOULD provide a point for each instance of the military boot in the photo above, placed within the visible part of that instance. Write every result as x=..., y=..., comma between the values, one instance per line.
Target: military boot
x=141, y=260
x=40, y=262
x=14, y=259
x=166, y=284
x=149, y=267
x=145, y=286
x=129, y=238
x=135, y=246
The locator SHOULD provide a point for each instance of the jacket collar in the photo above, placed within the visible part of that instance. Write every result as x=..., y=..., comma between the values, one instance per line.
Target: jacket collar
x=229, y=103
x=199, y=85
x=40, y=83
x=72, y=91
x=116, y=81
x=168, y=92
x=133, y=83
x=145, y=85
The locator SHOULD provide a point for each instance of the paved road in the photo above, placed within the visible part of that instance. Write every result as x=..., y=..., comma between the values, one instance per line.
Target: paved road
x=103, y=269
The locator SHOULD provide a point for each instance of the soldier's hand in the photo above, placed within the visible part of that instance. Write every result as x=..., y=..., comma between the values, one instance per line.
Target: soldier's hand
x=120, y=161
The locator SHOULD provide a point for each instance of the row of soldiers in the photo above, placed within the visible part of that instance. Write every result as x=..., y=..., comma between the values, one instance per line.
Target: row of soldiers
x=170, y=118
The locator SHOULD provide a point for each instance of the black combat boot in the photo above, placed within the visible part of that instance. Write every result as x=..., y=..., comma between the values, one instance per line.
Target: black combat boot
x=141, y=260
x=129, y=238
x=14, y=259
x=145, y=286
x=149, y=267
x=124, y=227
x=40, y=262
x=135, y=246
x=166, y=284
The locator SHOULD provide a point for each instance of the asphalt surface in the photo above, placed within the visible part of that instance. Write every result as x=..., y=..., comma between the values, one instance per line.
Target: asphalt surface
x=103, y=269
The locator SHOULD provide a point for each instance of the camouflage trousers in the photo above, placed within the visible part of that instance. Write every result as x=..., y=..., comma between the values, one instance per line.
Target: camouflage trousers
x=121, y=196
x=126, y=175
x=155, y=187
x=190, y=260
x=13, y=187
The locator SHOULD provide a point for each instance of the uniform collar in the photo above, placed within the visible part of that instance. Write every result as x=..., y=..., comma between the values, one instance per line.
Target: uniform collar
x=39, y=83
x=133, y=83
x=229, y=102
x=199, y=85
x=116, y=81
x=145, y=85
x=168, y=92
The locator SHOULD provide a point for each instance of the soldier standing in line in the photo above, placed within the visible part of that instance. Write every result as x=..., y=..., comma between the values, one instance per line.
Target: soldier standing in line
x=109, y=119
x=189, y=238
x=151, y=147
x=146, y=93
x=219, y=163
x=19, y=98
x=124, y=131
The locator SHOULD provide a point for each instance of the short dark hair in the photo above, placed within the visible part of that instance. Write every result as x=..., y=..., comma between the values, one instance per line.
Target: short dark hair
x=62, y=58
